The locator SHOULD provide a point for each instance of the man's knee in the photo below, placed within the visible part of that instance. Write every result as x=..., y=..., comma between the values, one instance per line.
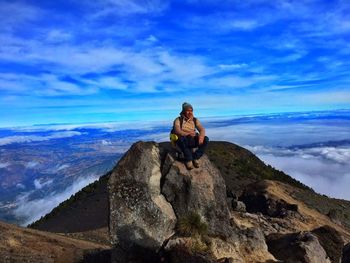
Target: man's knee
x=182, y=142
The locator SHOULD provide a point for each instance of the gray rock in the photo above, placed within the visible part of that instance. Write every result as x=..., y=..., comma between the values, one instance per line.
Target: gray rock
x=149, y=187
x=302, y=247
x=331, y=241
x=238, y=206
x=140, y=216
x=257, y=200
x=201, y=190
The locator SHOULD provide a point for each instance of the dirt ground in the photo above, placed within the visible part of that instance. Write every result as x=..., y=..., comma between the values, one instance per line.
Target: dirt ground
x=19, y=244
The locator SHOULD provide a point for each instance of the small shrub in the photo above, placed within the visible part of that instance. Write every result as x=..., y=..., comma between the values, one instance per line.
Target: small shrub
x=192, y=225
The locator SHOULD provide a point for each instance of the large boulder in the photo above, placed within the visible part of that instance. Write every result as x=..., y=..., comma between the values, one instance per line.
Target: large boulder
x=258, y=200
x=331, y=241
x=203, y=191
x=140, y=216
x=159, y=210
x=200, y=190
x=302, y=247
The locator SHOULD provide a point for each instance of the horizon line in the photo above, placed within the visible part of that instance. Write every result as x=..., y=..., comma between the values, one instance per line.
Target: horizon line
x=162, y=120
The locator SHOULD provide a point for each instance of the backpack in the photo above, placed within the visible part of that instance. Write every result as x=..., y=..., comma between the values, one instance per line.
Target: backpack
x=173, y=136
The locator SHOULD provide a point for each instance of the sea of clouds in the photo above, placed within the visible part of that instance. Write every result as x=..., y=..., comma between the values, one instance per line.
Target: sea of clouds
x=313, y=151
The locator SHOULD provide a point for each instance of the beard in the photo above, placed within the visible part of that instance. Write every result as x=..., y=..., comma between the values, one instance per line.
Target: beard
x=189, y=115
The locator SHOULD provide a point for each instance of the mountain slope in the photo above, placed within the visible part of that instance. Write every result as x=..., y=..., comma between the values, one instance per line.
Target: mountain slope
x=85, y=214
x=240, y=167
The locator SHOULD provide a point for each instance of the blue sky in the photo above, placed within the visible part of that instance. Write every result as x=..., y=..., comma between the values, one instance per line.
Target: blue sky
x=117, y=60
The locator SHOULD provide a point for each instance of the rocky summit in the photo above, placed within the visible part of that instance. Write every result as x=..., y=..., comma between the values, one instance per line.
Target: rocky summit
x=150, y=208
x=162, y=212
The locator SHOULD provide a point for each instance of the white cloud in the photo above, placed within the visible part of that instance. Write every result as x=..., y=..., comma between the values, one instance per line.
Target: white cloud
x=336, y=154
x=40, y=183
x=110, y=83
x=185, y=68
x=45, y=84
x=147, y=69
x=31, y=164
x=4, y=165
x=105, y=142
x=340, y=154
x=31, y=210
x=61, y=167
x=58, y=36
x=35, y=138
x=152, y=38
x=232, y=66
x=105, y=126
x=327, y=178
x=128, y=7
x=246, y=24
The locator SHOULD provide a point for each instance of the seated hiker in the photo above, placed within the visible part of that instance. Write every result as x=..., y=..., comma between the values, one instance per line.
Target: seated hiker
x=186, y=127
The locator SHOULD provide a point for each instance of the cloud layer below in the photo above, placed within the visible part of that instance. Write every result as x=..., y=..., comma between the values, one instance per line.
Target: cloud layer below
x=300, y=144
x=325, y=175
x=32, y=210
x=37, y=138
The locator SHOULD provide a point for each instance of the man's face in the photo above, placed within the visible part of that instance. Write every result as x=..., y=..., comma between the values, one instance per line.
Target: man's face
x=189, y=113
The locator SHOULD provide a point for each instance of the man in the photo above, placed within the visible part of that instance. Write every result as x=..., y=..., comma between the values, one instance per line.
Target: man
x=186, y=127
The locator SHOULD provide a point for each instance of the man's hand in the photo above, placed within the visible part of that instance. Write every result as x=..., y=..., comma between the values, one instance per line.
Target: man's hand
x=200, y=140
x=192, y=133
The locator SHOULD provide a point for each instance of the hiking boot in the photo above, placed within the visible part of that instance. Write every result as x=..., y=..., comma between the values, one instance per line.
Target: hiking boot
x=195, y=163
x=189, y=165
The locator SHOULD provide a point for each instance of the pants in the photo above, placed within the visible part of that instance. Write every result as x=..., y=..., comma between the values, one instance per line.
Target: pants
x=187, y=143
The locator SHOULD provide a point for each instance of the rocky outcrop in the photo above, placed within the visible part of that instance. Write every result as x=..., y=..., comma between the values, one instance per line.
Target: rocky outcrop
x=200, y=190
x=160, y=211
x=257, y=200
x=156, y=204
x=331, y=241
x=140, y=216
x=301, y=247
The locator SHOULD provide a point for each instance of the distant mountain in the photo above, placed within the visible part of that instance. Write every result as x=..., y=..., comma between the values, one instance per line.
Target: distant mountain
x=321, y=144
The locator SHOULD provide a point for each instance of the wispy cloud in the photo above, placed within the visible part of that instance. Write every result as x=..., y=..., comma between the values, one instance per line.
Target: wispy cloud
x=39, y=183
x=128, y=7
x=103, y=51
x=4, y=165
x=31, y=164
x=340, y=154
x=35, y=138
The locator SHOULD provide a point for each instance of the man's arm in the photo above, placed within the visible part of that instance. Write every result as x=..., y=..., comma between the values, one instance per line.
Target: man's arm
x=201, y=130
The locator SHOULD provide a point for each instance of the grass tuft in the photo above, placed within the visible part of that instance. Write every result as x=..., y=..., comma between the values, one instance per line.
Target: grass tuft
x=191, y=225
